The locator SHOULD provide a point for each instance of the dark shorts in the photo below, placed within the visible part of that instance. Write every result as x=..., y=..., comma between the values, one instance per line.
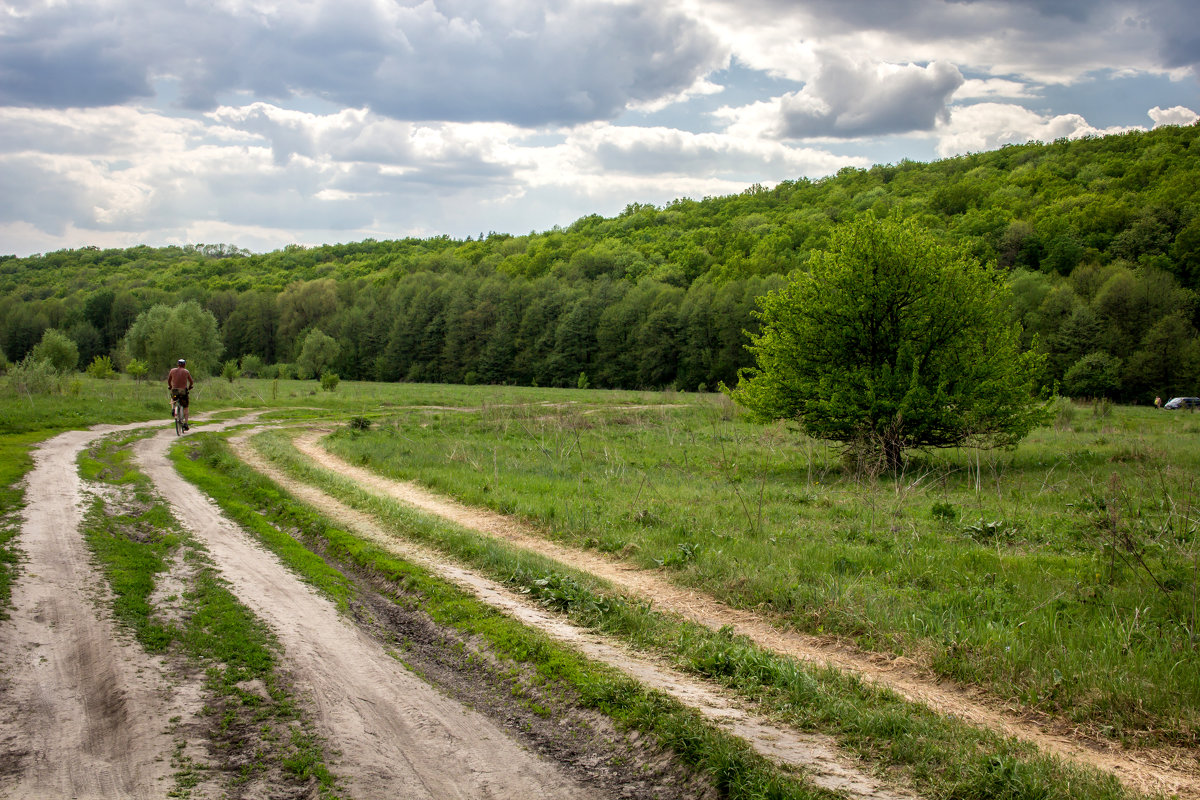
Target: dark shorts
x=180, y=396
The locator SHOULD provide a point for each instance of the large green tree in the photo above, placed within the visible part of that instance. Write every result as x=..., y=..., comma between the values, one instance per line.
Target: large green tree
x=891, y=341
x=317, y=353
x=162, y=334
x=57, y=348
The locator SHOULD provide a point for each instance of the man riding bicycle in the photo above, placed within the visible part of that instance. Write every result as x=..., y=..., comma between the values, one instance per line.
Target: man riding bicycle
x=179, y=382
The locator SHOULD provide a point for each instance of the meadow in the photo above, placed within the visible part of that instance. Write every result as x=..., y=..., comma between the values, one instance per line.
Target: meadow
x=1062, y=576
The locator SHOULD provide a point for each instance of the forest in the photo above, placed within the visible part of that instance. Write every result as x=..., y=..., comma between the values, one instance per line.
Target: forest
x=1099, y=239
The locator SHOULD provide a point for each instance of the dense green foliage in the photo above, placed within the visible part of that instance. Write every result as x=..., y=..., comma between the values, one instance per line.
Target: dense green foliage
x=161, y=335
x=1101, y=239
x=890, y=342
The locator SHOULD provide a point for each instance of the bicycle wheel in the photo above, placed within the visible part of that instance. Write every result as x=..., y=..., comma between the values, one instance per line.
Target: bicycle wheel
x=178, y=420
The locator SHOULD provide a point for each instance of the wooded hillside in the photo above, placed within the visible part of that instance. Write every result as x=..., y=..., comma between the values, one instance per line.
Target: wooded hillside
x=1101, y=238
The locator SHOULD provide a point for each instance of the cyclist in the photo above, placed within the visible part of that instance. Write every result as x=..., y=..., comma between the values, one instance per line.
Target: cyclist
x=179, y=382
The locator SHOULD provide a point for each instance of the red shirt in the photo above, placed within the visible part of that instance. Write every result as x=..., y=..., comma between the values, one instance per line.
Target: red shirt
x=179, y=378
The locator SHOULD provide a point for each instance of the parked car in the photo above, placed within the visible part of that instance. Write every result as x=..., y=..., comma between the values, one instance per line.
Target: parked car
x=1182, y=402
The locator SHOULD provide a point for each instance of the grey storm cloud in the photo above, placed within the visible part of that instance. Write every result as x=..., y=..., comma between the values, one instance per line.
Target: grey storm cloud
x=560, y=62
x=31, y=193
x=1180, y=26
x=1174, y=25
x=849, y=100
x=926, y=18
x=59, y=56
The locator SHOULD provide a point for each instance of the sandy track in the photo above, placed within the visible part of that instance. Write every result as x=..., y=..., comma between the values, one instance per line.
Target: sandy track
x=399, y=737
x=1152, y=771
x=819, y=758
x=85, y=709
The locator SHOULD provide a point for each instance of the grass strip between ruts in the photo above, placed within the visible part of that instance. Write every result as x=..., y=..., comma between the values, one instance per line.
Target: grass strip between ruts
x=135, y=544
x=734, y=768
x=15, y=462
x=938, y=756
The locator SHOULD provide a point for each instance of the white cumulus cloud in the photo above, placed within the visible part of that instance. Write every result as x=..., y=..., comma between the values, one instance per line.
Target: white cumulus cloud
x=1176, y=115
x=850, y=99
x=986, y=126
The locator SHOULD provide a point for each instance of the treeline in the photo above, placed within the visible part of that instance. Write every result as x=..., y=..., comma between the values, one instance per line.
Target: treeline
x=1101, y=238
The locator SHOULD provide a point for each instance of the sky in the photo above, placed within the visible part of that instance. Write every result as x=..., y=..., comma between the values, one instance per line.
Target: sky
x=265, y=123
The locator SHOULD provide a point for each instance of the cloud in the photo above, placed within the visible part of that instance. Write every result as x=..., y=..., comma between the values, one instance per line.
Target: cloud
x=563, y=61
x=1048, y=41
x=664, y=154
x=849, y=99
x=1177, y=115
x=118, y=174
x=977, y=89
x=1177, y=25
x=987, y=126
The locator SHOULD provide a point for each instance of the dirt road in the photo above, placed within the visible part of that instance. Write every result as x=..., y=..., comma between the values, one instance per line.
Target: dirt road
x=398, y=733
x=88, y=714
x=85, y=709
x=823, y=764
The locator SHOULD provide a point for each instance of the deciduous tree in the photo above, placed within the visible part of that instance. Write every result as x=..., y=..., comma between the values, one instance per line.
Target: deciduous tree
x=316, y=354
x=891, y=341
x=57, y=348
x=163, y=334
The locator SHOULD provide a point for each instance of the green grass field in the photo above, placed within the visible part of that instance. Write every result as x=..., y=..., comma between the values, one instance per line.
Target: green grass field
x=1063, y=575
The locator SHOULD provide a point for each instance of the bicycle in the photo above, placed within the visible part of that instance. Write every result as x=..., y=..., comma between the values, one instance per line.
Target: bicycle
x=177, y=415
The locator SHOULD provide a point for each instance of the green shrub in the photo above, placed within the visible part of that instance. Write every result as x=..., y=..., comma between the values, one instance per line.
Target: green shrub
x=136, y=368
x=102, y=368
x=329, y=381
x=58, y=349
x=34, y=376
x=252, y=366
x=230, y=371
x=1095, y=375
x=316, y=354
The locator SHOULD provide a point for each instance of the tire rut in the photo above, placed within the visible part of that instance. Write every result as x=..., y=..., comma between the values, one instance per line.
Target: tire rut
x=398, y=734
x=822, y=763
x=86, y=709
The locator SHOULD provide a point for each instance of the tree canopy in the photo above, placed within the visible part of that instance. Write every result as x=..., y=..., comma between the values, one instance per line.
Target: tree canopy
x=57, y=348
x=1100, y=238
x=163, y=334
x=891, y=341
